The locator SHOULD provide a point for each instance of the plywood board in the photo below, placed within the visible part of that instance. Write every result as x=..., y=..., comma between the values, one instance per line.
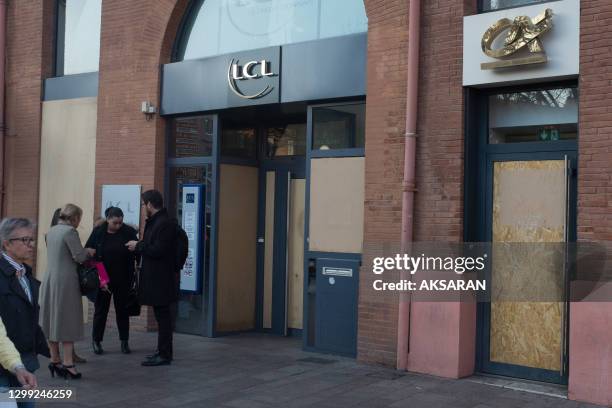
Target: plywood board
x=236, y=266
x=529, y=205
x=337, y=187
x=67, y=167
x=269, y=250
x=295, y=274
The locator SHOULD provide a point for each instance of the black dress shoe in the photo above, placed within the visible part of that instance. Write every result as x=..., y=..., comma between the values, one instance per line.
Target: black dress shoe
x=156, y=361
x=150, y=356
x=125, y=347
x=97, y=347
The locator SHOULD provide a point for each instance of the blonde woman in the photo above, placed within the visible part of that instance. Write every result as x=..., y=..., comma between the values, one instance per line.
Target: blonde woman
x=60, y=299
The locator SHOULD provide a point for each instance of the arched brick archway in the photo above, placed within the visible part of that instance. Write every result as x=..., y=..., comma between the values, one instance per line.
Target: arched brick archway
x=139, y=35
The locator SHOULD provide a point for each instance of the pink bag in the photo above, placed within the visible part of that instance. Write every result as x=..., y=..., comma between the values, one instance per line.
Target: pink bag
x=102, y=274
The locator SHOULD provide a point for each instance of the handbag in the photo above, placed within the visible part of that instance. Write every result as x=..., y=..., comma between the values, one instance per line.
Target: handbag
x=89, y=281
x=132, y=305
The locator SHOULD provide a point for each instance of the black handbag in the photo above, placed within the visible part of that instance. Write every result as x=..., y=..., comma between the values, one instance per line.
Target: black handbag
x=89, y=280
x=132, y=305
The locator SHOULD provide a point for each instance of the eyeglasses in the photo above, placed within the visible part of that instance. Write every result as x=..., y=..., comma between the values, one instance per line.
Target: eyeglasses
x=25, y=240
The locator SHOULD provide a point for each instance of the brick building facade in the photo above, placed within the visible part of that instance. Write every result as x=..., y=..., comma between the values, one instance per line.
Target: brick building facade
x=138, y=38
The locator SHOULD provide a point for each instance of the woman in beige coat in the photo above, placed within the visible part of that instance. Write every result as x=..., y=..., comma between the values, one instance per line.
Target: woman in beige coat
x=60, y=294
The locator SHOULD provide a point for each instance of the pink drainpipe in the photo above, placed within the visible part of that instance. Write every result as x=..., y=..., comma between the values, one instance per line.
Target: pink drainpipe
x=2, y=122
x=409, y=182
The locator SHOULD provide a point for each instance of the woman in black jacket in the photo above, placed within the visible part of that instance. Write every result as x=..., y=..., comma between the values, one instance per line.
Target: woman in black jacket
x=109, y=241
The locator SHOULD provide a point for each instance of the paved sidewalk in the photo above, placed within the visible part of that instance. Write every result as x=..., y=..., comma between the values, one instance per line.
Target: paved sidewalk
x=254, y=370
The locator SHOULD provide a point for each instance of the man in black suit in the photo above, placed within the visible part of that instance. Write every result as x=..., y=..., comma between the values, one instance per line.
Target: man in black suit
x=19, y=296
x=159, y=273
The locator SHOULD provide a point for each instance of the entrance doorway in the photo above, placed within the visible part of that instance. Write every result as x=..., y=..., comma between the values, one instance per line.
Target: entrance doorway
x=280, y=195
x=521, y=192
x=281, y=242
x=529, y=213
x=270, y=152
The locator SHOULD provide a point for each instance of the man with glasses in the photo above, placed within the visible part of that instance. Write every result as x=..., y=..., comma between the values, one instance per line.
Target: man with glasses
x=19, y=297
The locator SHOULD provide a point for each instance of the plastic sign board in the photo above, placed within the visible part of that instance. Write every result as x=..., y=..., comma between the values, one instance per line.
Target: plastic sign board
x=126, y=197
x=522, y=44
x=192, y=204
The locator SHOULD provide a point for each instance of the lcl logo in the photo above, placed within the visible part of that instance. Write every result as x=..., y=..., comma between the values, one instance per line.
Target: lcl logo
x=250, y=70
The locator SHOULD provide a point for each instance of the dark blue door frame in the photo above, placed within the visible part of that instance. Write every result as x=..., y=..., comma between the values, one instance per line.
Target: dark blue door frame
x=479, y=158
x=207, y=326
x=284, y=169
x=311, y=258
x=484, y=362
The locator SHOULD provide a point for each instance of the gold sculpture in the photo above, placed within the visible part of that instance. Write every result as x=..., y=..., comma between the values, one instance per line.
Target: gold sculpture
x=521, y=32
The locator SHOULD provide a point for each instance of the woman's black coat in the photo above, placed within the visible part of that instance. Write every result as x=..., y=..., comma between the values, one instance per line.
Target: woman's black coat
x=96, y=241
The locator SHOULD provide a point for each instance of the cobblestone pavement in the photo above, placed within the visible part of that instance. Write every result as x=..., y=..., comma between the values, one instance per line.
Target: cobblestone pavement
x=255, y=370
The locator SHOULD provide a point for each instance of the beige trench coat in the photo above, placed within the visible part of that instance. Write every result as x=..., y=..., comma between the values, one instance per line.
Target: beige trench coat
x=61, y=307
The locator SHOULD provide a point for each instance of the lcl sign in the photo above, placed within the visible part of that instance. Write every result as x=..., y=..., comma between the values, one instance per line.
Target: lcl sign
x=249, y=71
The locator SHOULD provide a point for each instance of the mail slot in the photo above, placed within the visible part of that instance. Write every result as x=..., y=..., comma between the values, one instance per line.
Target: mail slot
x=329, y=271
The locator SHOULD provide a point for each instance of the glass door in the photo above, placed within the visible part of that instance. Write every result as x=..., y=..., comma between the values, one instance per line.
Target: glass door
x=190, y=166
x=529, y=212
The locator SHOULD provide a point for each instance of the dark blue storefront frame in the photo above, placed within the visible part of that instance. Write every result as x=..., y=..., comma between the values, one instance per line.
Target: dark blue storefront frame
x=283, y=167
x=209, y=316
x=339, y=75
x=479, y=156
x=483, y=360
x=310, y=256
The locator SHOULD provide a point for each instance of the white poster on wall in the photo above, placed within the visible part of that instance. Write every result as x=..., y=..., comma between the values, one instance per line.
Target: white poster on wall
x=126, y=197
x=192, y=224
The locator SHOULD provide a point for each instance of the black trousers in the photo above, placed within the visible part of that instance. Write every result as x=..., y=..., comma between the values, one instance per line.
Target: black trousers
x=102, y=305
x=165, y=315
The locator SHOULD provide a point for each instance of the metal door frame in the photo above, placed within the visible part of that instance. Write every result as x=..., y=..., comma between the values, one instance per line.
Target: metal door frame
x=285, y=170
x=209, y=293
x=484, y=309
x=478, y=186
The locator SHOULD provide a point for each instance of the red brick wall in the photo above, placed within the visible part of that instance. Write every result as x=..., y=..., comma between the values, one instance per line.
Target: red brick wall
x=590, y=326
x=29, y=60
x=136, y=37
x=595, y=122
x=439, y=199
x=385, y=120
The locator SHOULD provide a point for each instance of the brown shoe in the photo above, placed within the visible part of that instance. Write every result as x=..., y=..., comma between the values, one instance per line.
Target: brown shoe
x=78, y=359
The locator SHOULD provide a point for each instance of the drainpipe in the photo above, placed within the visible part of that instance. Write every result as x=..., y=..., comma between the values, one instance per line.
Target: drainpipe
x=2, y=122
x=409, y=182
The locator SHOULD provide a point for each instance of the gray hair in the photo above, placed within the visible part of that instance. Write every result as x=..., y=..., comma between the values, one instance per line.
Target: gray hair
x=9, y=225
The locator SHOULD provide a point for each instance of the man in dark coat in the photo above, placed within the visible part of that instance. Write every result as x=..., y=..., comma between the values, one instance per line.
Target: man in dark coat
x=159, y=272
x=19, y=296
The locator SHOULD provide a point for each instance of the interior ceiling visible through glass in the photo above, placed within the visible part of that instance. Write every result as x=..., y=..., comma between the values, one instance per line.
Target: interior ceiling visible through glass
x=224, y=26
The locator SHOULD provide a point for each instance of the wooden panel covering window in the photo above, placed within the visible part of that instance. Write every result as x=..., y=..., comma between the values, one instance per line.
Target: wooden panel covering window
x=337, y=187
x=237, y=257
x=529, y=206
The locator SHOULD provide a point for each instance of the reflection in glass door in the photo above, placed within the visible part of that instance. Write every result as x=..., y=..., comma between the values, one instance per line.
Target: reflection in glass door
x=190, y=161
x=191, y=306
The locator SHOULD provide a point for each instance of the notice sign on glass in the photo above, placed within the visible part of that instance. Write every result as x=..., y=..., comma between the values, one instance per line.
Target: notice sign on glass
x=192, y=224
